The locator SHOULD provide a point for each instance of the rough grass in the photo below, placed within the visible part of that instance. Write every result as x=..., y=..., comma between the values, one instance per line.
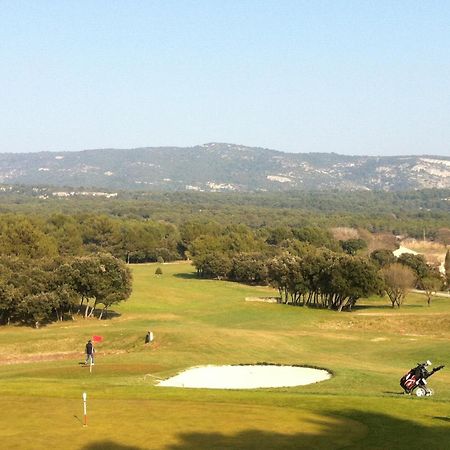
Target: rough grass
x=208, y=322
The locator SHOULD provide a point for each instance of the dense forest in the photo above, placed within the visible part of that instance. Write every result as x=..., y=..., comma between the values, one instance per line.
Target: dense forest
x=410, y=213
x=62, y=255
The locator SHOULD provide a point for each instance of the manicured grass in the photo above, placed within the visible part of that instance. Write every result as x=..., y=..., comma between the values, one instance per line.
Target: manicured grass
x=208, y=322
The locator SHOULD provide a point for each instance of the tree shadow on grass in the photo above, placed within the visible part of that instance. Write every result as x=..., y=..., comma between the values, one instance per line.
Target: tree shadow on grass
x=370, y=431
x=111, y=314
x=363, y=307
x=387, y=307
x=444, y=419
x=384, y=432
x=110, y=445
x=392, y=433
x=187, y=276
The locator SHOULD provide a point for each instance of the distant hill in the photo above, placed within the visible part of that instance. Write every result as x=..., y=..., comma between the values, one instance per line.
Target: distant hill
x=222, y=167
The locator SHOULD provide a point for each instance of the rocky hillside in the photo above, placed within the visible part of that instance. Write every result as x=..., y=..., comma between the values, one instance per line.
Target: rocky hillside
x=222, y=167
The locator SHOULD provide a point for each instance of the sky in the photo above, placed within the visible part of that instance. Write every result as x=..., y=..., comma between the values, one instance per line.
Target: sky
x=352, y=77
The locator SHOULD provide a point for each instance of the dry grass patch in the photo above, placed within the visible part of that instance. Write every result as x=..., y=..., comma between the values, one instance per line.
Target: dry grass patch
x=344, y=233
x=432, y=324
x=38, y=357
x=434, y=252
x=381, y=241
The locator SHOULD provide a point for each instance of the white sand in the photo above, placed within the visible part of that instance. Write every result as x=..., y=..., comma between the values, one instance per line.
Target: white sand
x=246, y=377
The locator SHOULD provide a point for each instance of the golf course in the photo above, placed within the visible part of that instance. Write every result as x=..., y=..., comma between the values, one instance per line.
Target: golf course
x=198, y=322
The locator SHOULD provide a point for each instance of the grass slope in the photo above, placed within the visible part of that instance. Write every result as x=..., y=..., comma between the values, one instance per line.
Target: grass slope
x=208, y=322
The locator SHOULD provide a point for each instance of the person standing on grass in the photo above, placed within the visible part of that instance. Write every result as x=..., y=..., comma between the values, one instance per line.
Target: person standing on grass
x=90, y=350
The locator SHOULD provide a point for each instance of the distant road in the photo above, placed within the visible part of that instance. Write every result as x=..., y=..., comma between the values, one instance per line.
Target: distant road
x=438, y=294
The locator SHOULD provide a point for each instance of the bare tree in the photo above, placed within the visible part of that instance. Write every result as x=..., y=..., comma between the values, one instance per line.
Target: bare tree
x=398, y=281
x=431, y=285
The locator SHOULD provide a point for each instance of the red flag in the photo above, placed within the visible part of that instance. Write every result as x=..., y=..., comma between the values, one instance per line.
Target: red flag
x=97, y=338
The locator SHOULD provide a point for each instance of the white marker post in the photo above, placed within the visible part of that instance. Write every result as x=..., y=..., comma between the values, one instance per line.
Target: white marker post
x=84, y=410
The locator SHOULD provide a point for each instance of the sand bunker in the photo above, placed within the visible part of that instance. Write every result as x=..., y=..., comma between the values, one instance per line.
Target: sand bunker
x=246, y=377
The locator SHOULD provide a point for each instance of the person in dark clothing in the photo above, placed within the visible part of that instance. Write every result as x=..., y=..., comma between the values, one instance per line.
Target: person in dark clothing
x=90, y=350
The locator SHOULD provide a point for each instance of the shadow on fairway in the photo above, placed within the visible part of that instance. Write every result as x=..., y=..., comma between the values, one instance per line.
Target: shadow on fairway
x=387, y=307
x=383, y=432
x=187, y=276
x=78, y=419
x=111, y=314
x=109, y=445
x=444, y=419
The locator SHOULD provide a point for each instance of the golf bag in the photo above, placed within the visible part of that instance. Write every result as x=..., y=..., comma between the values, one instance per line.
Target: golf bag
x=415, y=380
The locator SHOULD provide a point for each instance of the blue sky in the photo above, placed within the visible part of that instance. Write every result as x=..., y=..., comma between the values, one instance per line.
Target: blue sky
x=352, y=77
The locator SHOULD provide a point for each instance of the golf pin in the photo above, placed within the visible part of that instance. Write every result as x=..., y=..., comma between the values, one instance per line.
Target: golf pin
x=84, y=410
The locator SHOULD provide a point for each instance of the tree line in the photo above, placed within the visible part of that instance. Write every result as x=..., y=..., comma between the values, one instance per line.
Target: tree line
x=412, y=213
x=44, y=259
x=42, y=290
x=320, y=277
x=137, y=241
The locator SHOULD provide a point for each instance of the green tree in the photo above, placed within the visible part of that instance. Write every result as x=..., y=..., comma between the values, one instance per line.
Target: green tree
x=285, y=274
x=249, y=268
x=84, y=272
x=9, y=302
x=418, y=264
x=351, y=246
x=37, y=309
x=67, y=234
x=278, y=275
x=20, y=237
x=279, y=234
x=103, y=278
x=382, y=257
x=316, y=236
x=214, y=265
x=101, y=234
x=113, y=284
x=447, y=268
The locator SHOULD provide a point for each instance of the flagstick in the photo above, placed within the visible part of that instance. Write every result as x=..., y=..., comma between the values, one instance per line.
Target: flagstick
x=90, y=365
x=84, y=410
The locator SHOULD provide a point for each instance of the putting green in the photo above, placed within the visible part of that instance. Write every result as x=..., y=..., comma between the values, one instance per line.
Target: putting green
x=51, y=422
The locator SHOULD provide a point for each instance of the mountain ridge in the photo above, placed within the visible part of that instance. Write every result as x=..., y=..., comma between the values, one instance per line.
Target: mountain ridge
x=223, y=167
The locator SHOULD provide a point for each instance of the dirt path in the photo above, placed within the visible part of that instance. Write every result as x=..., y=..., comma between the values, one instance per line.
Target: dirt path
x=437, y=294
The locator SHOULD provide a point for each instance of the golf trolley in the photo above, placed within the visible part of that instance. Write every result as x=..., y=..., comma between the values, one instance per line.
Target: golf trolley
x=415, y=381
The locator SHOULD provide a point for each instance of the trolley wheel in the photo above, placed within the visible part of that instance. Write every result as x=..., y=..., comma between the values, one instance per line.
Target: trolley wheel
x=421, y=392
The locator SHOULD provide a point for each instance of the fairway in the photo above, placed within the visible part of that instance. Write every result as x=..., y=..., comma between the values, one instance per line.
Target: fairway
x=202, y=322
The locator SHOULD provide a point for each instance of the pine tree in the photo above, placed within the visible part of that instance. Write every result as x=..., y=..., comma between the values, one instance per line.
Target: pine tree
x=447, y=268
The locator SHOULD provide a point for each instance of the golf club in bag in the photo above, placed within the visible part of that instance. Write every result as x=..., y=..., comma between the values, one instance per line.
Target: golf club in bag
x=415, y=380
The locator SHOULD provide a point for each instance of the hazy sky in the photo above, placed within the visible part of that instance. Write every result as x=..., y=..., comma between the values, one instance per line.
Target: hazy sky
x=352, y=77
